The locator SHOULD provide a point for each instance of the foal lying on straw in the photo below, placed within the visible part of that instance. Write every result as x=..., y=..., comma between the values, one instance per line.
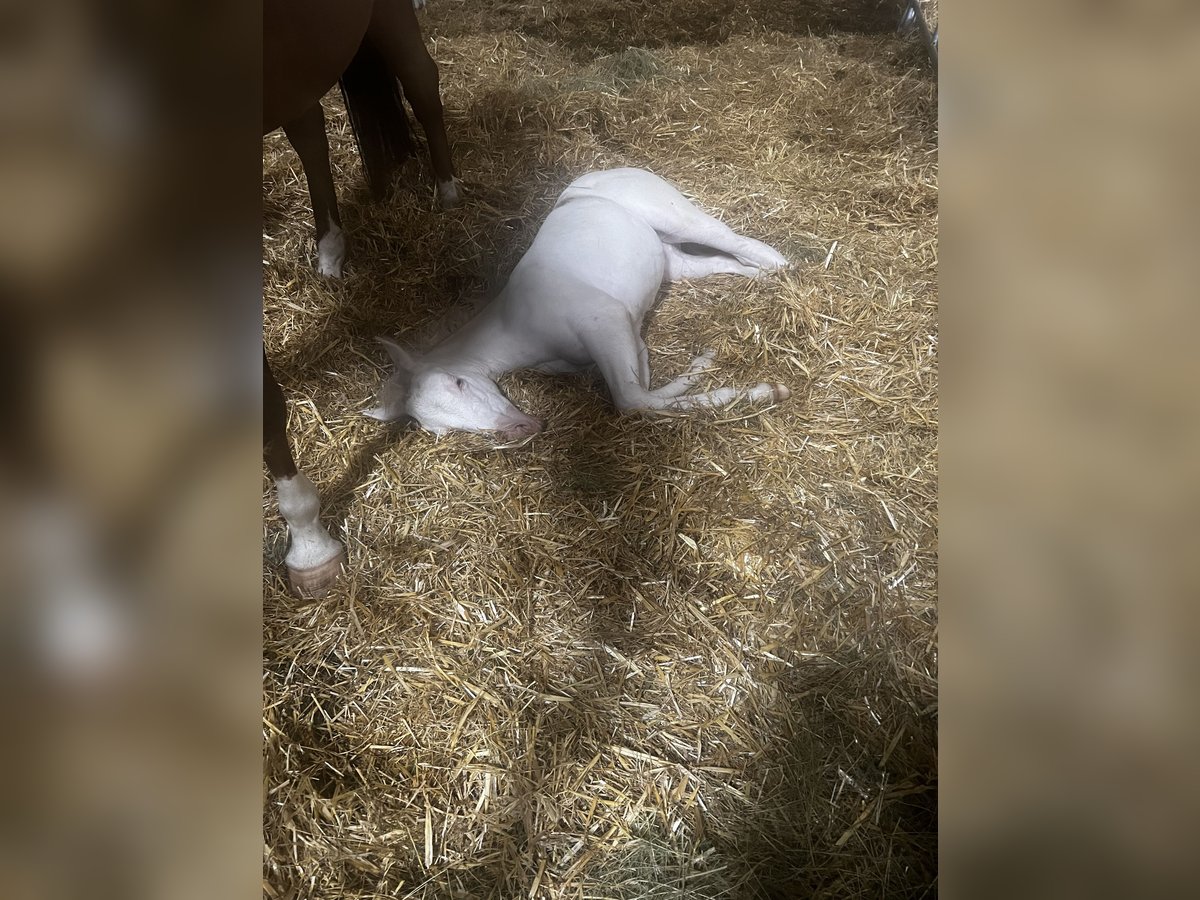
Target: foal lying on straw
x=575, y=300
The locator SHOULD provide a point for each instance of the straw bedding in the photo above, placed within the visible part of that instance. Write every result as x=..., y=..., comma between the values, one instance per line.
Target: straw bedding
x=638, y=657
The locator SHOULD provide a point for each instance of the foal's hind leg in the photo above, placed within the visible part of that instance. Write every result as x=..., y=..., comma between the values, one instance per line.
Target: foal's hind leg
x=307, y=135
x=616, y=348
x=680, y=265
x=395, y=32
x=675, y=218
x=688, y=224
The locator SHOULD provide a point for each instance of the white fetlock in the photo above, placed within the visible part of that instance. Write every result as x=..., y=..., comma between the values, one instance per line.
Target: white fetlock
x=331, y=252
x=448, y=194
x=314, y=559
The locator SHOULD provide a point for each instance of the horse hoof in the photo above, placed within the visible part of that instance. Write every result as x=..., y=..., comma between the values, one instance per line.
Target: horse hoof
x=448, y=194
x=331, y=252
x=314, y=583
x=780, y=392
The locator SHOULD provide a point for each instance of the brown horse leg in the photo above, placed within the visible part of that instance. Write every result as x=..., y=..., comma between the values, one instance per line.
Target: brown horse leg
x=395, y=32
x=307, y=134
x=314, y=559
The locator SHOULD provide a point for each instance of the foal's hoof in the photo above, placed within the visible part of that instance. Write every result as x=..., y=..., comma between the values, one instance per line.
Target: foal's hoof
x=780, y=392
x=314, y=583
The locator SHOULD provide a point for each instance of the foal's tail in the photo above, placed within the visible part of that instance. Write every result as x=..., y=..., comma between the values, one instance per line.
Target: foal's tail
x=375, y=105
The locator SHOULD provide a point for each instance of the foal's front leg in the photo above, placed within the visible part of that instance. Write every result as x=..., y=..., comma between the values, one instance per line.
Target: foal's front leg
x=307, y=136
x=617, y=352
x=688, y=379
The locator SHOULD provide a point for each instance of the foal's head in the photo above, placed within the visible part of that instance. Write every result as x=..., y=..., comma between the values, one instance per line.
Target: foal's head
x=443, y=399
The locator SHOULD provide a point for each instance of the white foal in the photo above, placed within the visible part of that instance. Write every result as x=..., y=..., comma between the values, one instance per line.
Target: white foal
x=575, y=300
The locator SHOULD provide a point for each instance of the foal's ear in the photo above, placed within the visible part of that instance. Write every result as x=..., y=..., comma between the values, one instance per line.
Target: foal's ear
x=401, y=358
x=393, y=393
x=393, y=398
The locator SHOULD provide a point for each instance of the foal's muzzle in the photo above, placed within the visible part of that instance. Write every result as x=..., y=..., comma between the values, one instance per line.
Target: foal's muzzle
x=517, y=428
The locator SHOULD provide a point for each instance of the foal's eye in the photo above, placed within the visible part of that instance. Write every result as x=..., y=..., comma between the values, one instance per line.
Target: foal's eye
x=459, y=383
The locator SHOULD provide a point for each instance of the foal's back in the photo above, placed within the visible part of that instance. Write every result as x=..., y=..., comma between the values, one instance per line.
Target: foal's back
x=588, y=247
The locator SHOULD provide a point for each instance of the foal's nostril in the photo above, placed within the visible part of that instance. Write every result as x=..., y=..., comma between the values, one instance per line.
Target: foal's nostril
x=518, y=427
x=524, y=428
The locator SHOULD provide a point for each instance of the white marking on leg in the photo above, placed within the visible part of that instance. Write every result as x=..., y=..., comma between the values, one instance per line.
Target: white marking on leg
x=300, y=507
x=331, y=252
x=448, y=194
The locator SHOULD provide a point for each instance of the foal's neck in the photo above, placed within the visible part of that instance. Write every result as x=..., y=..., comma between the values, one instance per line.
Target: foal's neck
x=485, y=344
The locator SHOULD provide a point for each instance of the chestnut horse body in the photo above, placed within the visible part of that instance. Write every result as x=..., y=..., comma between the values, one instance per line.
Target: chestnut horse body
x=308, y=47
